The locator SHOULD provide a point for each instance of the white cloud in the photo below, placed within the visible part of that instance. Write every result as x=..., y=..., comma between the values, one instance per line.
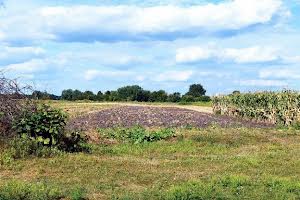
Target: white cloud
x=177, y=76
x=278, y=73
x=10, y=55
x=263, y=83
x=33, y=65
x=115, y=23
x=92, y=74
x=255, y=54
x=173, y=76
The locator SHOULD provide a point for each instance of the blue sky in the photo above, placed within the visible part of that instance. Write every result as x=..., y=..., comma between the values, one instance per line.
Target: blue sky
x=227, y=45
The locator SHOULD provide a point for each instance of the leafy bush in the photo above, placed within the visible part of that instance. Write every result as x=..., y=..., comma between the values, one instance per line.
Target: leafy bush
x=137, y=134
x=74, y=142
x=17, y=190
x=45, y=128
x=273, y=107
x=45, y=125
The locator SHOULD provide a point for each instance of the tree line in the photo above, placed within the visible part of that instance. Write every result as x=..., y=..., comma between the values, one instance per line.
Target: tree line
x=129, y=93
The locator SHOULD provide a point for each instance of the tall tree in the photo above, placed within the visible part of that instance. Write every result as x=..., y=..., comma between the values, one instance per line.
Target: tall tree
x=196, y=90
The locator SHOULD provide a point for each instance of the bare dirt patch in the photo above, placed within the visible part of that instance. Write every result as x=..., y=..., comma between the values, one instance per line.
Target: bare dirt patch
x=127, y=116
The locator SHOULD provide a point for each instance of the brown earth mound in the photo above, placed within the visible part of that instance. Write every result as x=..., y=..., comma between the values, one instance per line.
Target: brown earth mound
x=127, y=116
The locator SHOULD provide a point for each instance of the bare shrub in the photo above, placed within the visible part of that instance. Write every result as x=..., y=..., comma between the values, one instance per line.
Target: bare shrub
x=13, y=100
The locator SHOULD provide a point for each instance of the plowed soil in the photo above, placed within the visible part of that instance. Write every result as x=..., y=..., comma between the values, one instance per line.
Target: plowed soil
x=147, y=116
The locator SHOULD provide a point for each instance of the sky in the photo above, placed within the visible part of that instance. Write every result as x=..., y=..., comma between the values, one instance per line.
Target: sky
x=226, y=45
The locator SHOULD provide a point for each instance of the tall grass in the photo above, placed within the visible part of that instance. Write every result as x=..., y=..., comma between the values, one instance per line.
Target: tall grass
x=272, y=107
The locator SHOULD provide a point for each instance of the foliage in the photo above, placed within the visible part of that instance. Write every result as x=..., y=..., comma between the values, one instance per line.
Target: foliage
x=129, y=93
x=175, y=97
x=21, y=148
x=137, y=93
x=45, y=125
x=272, y=107
x=43, y=95
x=158, y=96
x=137, y=134
x=74, y=142
x=196, y=90
x=17, y=190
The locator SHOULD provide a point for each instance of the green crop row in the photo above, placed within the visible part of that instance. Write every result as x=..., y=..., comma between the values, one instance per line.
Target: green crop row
x=272, y=107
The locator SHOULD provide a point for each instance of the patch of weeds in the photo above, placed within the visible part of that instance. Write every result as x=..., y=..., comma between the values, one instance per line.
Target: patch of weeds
x=17, y=190
x=78, y=193
x=225, y=187
x=137, y=134
x=25, y=147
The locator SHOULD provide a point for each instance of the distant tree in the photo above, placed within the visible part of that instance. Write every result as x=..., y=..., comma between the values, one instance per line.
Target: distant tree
x=77, y=95
x=159, y=96
x=196, y=90
x=143, y=96
x=40, y=95
x=236, y=92
x=188, y=98
x=129, y=93
x=114, y=96
x=67, y=95
x=99, y=96
x=89, y=95
x=175, y=97
x=106, y=96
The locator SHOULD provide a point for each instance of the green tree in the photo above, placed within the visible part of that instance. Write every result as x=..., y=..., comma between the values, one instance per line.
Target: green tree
x=99, y=96
x=67, y=95
x=175, y=97
x=106, y=95
x=89, y=95
x=196, y=90
x=143, y=96
x=129, y=93
x=159, y=96
x=77, y=95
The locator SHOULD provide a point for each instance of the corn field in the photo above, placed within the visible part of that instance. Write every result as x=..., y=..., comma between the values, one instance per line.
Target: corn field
x=271, y=107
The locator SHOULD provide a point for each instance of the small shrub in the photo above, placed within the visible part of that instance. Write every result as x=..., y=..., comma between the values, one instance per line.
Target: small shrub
x=45, y=125
x=74, y=142
x=138, y=134
x=44, y=128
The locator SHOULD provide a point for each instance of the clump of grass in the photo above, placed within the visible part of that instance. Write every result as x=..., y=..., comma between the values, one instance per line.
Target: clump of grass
x=225, y=187
x=137, y=134
x=20, y=148
x=17, y=190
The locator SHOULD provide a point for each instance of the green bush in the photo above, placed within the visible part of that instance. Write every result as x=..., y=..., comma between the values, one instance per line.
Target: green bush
x=137, y=134
x=74, y=142
x=45, y=125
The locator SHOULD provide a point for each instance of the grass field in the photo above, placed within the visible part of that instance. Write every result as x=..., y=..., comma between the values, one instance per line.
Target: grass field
x=209, y=163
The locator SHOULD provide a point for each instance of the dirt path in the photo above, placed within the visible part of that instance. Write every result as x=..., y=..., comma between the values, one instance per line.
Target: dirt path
x=153, y=116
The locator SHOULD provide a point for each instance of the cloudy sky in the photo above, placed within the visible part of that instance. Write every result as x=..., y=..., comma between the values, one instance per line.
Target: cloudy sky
x=96, y=45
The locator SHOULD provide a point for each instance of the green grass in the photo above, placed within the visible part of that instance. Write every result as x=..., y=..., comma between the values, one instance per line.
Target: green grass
x=211, y=163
